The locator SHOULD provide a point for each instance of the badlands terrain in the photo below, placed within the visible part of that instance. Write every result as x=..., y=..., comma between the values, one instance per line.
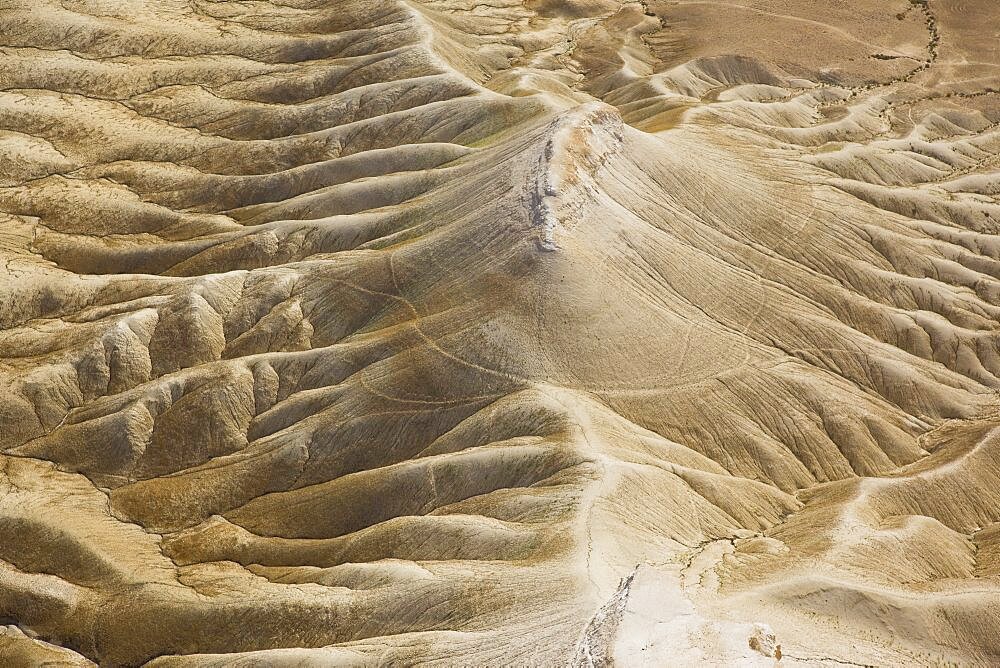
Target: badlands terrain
x=499, y=332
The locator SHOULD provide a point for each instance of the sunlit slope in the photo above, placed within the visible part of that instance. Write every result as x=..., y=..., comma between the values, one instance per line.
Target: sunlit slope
x=472, y=334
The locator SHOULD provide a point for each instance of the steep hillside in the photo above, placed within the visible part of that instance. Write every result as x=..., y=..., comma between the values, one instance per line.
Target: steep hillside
x=535, y=332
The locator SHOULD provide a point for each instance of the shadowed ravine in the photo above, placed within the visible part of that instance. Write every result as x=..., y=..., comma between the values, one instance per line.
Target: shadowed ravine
x=519, y=332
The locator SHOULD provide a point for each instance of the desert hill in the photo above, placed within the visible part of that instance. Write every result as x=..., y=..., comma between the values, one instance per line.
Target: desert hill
x=519, y=332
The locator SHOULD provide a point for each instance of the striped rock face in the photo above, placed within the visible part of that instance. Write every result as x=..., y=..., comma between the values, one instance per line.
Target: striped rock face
x=499, y=333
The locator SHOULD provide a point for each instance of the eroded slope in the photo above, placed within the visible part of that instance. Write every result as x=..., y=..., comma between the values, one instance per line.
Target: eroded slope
x=465, y=333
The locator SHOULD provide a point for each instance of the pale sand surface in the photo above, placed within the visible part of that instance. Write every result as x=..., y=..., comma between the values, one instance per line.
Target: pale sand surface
x=499, y=332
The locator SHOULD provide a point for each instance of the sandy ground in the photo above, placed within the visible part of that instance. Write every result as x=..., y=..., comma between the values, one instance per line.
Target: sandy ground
x=504, y=333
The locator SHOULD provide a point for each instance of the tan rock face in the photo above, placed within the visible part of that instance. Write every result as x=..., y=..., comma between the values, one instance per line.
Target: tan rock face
x=453, y=332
